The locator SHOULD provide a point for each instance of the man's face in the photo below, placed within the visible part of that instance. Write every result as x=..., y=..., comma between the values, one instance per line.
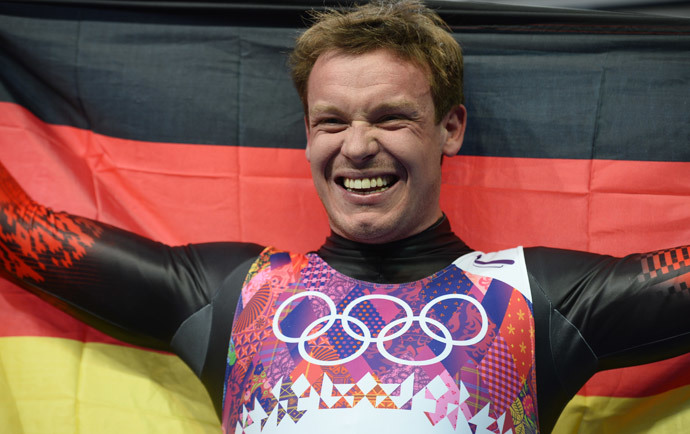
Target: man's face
x=374, y=146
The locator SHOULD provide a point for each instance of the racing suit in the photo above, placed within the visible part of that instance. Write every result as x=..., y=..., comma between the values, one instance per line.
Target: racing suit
x=590, y=312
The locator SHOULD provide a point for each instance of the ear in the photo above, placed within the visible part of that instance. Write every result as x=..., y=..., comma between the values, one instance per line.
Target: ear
x=306, y=129
x=454, y=124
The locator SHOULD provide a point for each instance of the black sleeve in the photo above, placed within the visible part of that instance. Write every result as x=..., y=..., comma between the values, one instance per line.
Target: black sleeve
x=596, y=312
x=128, y=286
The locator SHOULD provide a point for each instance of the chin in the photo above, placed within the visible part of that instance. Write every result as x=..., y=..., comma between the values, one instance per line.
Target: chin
x=370, y=233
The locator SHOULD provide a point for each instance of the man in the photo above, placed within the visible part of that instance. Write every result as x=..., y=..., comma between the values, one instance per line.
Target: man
x=394, y=324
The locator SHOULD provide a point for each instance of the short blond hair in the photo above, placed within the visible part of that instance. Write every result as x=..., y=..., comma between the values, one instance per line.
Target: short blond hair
x=409, y=29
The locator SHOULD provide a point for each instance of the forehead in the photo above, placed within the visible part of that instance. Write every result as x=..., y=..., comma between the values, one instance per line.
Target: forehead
x=379, y=72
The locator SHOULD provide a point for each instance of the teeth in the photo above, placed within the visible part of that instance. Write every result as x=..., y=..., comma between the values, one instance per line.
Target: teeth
x=367, y=183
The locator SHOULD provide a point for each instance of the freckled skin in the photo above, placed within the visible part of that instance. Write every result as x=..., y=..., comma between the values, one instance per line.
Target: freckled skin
x=372, y=115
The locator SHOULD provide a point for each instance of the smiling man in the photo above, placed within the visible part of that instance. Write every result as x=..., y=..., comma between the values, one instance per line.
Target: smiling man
x=375, y=146
x=382, y=92
x=394, y=324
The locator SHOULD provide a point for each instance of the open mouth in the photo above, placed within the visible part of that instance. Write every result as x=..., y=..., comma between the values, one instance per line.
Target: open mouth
x=367, y=185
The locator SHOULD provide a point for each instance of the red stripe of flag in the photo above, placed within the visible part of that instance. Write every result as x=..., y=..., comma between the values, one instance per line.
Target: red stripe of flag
x=179, y=193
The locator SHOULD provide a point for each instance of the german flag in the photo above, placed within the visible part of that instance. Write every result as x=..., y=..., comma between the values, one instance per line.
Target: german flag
x=177, y=120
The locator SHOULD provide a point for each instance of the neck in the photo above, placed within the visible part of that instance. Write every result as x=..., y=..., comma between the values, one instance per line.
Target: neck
x=406, y=260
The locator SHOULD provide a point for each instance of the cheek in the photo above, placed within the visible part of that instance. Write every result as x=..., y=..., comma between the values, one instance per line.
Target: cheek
x=419, y=159
x=315, y=152
x=321, y=155
x=416, y=146
x=425, y=170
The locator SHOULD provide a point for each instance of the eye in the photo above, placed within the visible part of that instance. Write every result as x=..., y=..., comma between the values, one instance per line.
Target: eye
x=330, y=121
x=329, y=124
x=392, y=120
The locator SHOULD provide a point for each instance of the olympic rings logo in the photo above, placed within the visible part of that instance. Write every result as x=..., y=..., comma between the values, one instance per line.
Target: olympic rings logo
x=367, y=339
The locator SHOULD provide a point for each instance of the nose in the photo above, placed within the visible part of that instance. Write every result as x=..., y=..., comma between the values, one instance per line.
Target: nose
x=359, y=144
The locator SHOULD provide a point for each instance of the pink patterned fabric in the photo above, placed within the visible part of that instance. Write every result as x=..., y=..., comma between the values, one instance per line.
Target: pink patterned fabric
x=313, y=348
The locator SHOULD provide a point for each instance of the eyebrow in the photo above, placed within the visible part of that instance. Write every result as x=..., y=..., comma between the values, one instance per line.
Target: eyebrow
x=323, y=108
x=404, y=105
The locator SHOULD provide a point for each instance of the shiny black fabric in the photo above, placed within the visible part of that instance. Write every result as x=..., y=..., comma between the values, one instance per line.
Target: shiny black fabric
x=591, y=312
x=401, y=261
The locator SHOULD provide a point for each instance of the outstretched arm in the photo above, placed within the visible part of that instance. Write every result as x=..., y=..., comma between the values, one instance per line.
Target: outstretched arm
x=600, y=312
x=131, y=287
